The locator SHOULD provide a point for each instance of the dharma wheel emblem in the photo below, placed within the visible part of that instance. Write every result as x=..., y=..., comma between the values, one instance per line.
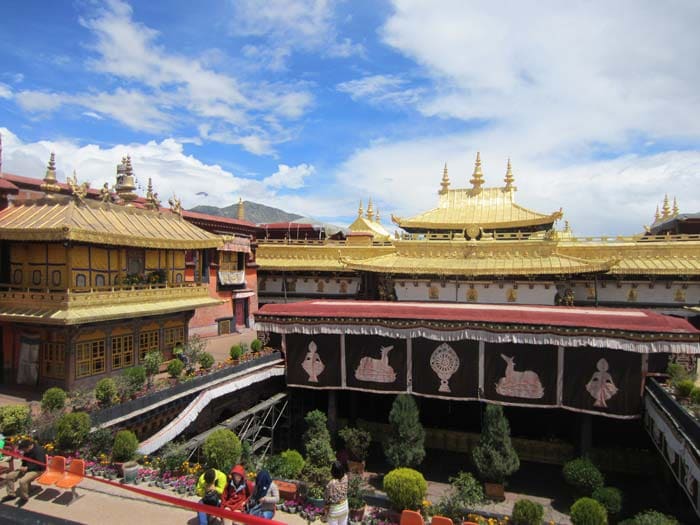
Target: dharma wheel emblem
x=444, y=362
x=312, y=364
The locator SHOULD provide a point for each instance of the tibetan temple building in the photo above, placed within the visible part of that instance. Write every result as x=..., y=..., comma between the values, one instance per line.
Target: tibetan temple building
x=93, y=280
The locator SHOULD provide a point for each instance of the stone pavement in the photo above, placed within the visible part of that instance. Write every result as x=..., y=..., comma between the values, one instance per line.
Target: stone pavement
x=219, y=345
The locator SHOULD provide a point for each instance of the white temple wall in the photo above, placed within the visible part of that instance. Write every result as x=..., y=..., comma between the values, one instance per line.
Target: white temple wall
x=677, y=293
x=503, y=292
x=311, y=285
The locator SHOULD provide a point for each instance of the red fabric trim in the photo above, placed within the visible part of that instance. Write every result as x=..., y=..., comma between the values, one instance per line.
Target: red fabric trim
x=575, y=317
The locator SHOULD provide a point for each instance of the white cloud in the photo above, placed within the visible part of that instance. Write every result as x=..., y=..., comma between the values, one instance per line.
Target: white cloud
x=92, y=114
x=381, y=89
x=5, y=91
x=289, y=176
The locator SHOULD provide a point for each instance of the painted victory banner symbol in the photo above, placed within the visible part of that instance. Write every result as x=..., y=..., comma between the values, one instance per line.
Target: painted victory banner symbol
x=445, y=363
x=601, y=386
x=525, y=384
x=312, y=364
x=376, y=370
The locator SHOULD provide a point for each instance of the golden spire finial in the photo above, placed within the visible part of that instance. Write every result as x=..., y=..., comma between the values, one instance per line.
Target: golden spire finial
x=125, y=181
x=152, y=202
x=360, y=210
x=79, y=191
x=241, y=209
x=50, y=185
x=666, y=208
x=509, y=180
x=370, y=209
x=376, y=216
x=445, y=183
x=657, y=215
x=675, y=207
x=477, y=179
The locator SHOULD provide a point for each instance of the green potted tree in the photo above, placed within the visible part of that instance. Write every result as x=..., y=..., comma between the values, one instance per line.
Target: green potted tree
x=405, y=445
x=123, y=452
x=494, y=456
x=356, y=500
x=357, y=443
x=319, y=456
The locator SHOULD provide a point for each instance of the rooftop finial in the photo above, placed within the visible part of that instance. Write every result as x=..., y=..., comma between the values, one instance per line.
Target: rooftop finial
x=125, y=181
x=152, y=202
x=477, y=179
x=445, y=182
x=175, y=205
x=657, y=215
x=370, y=209
x=675, y=207
x=241, y=209
x=78, y=190
x=50, y=185
x=376, y=216
x=509, y=180
x=360, y=210
x=666, y=208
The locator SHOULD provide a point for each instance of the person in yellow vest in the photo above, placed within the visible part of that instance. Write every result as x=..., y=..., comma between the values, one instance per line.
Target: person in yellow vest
x=210, y=487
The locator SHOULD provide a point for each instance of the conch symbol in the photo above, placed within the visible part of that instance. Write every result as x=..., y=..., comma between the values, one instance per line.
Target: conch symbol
x=312, y=364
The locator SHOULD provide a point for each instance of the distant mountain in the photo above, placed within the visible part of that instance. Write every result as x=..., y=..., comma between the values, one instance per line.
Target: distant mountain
x=253, y=212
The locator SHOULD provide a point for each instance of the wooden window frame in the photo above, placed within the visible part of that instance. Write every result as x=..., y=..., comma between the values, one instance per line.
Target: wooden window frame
x=53, y=360
x=148, y=341
x=122, y=351
x=89, y=355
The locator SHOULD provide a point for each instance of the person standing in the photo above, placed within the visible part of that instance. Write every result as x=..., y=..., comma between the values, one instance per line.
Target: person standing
x=336, y=495
x=210, y=488
x=32, y=467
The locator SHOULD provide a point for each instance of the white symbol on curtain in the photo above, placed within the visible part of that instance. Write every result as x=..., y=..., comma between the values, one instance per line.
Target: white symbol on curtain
x=376, y=370
x=525, y=384
x=444, y=362
x=312, y=364
x=601, y=386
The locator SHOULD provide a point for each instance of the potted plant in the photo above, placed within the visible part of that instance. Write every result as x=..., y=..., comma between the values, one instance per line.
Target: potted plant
x=357, y=443
x=494, y=456
x=356, y=501
x=123, y=451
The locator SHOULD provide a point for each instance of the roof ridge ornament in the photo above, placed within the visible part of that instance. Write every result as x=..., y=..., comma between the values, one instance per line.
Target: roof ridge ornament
x=360, y=210
x=175, y=205
x=666, y=209
x=657, y=215
x=79, y=191
x=370, y=209
x=675, y=207
x=125, y=181
x=50, y=184
x=509, y=179
x=376, y=216
x=445, y=182
x=477, y=179
x=152, y=201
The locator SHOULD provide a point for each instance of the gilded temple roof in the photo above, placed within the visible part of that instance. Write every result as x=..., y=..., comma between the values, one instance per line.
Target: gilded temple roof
x=61, y=219
x=363, y=224
x=488, y=208
x=316, y=257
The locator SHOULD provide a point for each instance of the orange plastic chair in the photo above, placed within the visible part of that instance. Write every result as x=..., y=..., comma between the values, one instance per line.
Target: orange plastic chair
x=55, y=469
x=441, y=520
x=72, y=478
x=411, y=517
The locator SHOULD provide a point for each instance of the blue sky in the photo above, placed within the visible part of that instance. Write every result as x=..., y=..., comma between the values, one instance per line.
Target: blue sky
x=312, y=105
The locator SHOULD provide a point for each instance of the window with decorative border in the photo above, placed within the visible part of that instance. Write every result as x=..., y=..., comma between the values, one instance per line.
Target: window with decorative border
x=224, y=326
x=89, y=358
x=122, y=351
x=148, y=341
x=173, y=335
x=53, y=360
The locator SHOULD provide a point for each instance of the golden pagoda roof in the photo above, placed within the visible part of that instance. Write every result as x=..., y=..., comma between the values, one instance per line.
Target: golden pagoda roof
x=313, y=257
x=363, y=224
x=101, y=223
x=487, y=208
x=477, y=258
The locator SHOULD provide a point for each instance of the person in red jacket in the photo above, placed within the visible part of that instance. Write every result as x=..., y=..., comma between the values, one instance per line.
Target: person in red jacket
x=238, y=489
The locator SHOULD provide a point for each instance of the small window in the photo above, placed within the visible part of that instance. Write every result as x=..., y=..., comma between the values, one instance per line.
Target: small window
x=56, y=278
x=17, y=276
x=224, y=326
x=80, y=280
x=99, y=280
x=36, y=277
x=178, y=277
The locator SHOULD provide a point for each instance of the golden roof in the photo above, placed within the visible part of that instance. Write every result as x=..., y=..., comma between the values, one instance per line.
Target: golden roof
x=476, y=258
x=101, y=223
x=316, y=257
x=363, y=224
x=488, y=208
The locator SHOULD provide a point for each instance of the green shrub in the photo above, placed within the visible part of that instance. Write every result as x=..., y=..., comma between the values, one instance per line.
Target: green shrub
x=356, y=496
x=695, y=396
x=465, y=492
x=650, y=517
x=175, y=368
x=684, y=388
x=256, y=345
x=14, y=419
x=357, y=442
x=494, y=455
x=206, y=360
x=236, y=352
x=405, y=488
x=291, y=464
x=99, y=441
x=71, y=430
x=134, y=378
x=526, y=512
x=587, y=511
x=583, y=475
x=405, y=445
x=610, y=498
x=151, y=363
x=173, y=456
x=125, y=446
x=222, y=449
x=53, y=399
x=319, y=452
x=106, y=391
x=677, y=372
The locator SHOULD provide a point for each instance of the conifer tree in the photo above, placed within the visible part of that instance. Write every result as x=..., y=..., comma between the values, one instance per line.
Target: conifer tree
x=494, y=456
x=405, y=446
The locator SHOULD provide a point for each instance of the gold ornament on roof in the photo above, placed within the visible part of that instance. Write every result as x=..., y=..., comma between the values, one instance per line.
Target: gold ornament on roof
x=445, y=182
x=509, y=180
x=657, y=215
x=370, y=209
x=175, y=205
x=477, y=179
x=360, y=210
x=125, y=181
x=105, y=193
x=152, y=201
x=666, y=209
x=79, y=191
x=50, y=184
x=376, y=216
x=675, y=207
